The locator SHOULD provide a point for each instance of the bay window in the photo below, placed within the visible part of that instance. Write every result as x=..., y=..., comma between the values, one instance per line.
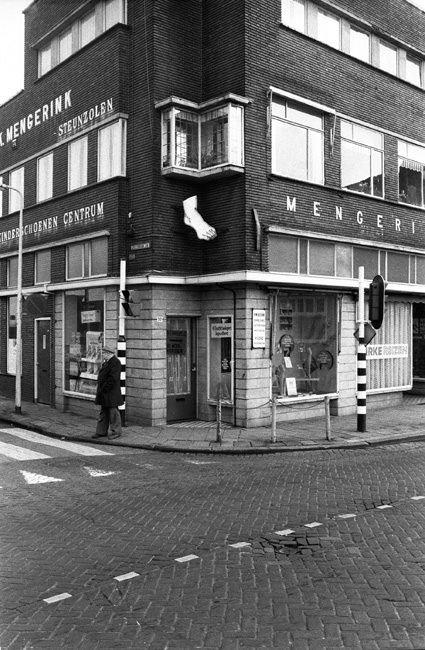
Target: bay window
x=198, y=139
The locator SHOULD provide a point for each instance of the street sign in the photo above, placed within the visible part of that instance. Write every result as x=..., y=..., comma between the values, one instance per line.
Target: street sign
x=369, y=333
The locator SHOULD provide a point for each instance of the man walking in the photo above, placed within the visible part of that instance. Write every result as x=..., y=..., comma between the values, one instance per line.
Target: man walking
x=108, y=396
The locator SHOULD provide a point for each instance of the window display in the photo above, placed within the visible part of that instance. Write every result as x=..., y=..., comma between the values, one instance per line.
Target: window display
x=84, y=336
x=304, y=345
x=220, y=358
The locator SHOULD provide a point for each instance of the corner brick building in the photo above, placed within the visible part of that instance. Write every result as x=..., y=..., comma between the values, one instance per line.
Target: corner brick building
x=231, y=165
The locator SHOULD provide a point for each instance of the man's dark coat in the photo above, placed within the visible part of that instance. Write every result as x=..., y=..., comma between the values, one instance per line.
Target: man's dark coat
x=108, y=384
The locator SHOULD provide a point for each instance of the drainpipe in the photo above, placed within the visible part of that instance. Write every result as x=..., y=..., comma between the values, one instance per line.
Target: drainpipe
x=222, y=286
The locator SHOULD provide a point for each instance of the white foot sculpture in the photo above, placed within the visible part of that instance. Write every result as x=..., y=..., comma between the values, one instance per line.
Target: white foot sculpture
x=193, y=218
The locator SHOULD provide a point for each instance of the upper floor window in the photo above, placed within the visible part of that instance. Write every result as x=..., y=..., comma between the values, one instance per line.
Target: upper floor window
x=65, y=45
x=45, y=177
x=294, y=14
x=77, y=163
x=87, y=28
x=16, y=181
x=44, y=60
x=201, y=140
x=411, y=177
x=413, y=71
x=102, y=15
x=359, y=44
x=362, y=159
x=12, y=271
x=87, y=259
x=42, y=266
x=328, y=29
x=388, y=58
x=111, y=150
x=1, y=197
x=297, y=141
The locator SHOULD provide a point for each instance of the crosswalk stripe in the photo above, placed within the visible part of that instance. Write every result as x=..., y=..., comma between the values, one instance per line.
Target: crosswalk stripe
x=20, y=453
x=72, y=447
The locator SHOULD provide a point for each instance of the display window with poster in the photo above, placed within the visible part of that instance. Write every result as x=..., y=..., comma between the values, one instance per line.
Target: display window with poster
x=304, y=344
x=220, y=375
x=84, y=337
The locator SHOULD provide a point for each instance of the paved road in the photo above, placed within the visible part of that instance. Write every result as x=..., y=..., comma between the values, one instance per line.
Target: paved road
x=152, y=550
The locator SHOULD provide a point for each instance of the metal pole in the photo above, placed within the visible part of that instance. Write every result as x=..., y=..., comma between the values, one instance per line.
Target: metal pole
x=328, y=417
x=122, y=343
x=219, y=436
x=18, y=376
x=361, y=360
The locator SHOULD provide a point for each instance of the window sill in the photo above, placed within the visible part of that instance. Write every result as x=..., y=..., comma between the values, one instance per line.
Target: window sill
x=204, y=174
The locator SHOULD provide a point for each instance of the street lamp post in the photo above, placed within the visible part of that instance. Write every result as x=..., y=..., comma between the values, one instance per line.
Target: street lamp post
x=18, y=389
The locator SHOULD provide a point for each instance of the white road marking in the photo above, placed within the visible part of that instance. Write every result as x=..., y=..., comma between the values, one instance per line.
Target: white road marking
x=286, y=531
x=348, y=516
x=383, y=507
x=20, y=453
x=313, y=524
x=55, y=599
x=73, y=447
x=32, y=478
x=240, y=544
x=186, y=558
x=417, y=498
x=98, y=472
x=126, y=576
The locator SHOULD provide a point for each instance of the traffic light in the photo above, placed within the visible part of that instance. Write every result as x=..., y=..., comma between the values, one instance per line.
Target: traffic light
x=126, y=301
x=376, y=301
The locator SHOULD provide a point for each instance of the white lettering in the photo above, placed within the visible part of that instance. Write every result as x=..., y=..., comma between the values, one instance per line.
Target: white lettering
x=360, y=217
x=316, y=209
x=291, y=205
x=338, y=212
x=379, y=218
x=397, y=225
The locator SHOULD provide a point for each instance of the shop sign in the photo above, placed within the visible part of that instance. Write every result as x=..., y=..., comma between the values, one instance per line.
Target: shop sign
x=91, y=316
x=387, y=351
x=258, y=328
x=221, y=330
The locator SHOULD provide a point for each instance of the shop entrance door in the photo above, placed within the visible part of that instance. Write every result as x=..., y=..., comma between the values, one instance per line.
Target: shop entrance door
x=43, y=361
x=181, y=369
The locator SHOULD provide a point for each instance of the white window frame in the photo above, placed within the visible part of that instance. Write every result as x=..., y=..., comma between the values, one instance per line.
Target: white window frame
x=77, y=160
x=86, y=260
x=65, y=37
x=88, y=18
x=416, y=81
x=323, y=36
x=353, y=29
x=45, y=177
x=121, y=13
x=16, y=180
x=111, y=150
x=393, y=48
x=289, y=16
x=45, y=59
x=307, y=129
x=371, y=147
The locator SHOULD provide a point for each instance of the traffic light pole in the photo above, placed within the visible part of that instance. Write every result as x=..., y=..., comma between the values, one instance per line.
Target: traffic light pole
x=122, y=344
x=361, y=359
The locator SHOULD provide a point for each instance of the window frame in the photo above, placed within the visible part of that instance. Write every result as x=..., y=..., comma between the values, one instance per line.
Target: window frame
x=76, y=164
x=371, y=148
x=116, y=150
x=48, y=180
x=14, y=198
x=388, y=46
x=86, y=248
x=37, y=256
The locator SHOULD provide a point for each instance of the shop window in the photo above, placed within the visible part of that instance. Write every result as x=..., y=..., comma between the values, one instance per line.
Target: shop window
x=283, y=254
x=322, y=258
x=87, y=259
x=16, y=181
x=328, y=29
x=65, y=45
x=84, y=337
x=359, y=45
x=411, y=180
x=111, y=150
x=42, y=267
x=77, y=163
x=294, y=14
x=362, y=159
x=397, y=267
x=87, y=28
x=297, y=129
x=220, y=361
x=368, y=258
x=201, y=140
x=11, y=335
x=388, y=58
x=12, y=271
x=389, y=354
x=45, y=177
x=304, y=346
x=344, y=261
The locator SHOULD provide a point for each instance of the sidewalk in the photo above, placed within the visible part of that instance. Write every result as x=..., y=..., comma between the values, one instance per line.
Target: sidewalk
x=403, y=423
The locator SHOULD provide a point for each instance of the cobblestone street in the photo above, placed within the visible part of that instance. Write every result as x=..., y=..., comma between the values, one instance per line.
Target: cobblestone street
x=139, y=549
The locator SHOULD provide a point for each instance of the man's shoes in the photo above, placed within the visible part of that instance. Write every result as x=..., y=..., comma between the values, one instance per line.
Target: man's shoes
x=112, y=436
x=98, y=435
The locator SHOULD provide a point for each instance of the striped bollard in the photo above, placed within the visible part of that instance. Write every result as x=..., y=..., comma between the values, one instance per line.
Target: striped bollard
x=361, y=386
x=122, y=350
